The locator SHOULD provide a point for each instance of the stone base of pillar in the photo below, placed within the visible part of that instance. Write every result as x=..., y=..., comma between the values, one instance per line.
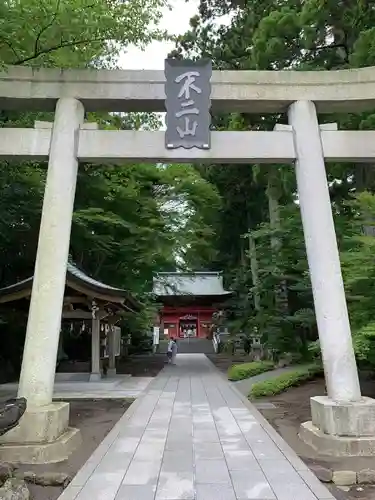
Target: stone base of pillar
x=111, y=372
x=341, y=429
x=42, y=436
x=95, y=377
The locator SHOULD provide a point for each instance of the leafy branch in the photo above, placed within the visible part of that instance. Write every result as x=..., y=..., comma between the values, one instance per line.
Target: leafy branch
x=46, y=27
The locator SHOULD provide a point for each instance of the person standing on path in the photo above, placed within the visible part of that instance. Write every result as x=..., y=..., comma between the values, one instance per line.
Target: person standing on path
x=169, y=351
x=172, y=351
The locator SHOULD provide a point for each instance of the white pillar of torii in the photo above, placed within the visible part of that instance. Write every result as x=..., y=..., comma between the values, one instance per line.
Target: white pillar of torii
x=43, y=326
x=323, y=255
x=343, y=422
x=44, y=426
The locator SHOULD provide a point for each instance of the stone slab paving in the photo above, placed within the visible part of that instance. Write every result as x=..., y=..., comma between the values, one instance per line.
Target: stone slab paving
x=118, y=387
x=192, y=436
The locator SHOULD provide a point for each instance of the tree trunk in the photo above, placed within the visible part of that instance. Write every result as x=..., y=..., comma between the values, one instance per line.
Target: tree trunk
x=365, y=181
x=273, y=194
x=254, y=272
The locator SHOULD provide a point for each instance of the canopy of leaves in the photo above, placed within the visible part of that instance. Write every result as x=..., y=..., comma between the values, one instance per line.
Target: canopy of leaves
x=75, y=33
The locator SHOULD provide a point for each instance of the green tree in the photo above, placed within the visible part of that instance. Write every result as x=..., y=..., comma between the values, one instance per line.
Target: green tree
x=75, y=33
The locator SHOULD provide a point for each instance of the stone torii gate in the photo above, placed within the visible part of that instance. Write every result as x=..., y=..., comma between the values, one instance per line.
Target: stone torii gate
x=343, y=422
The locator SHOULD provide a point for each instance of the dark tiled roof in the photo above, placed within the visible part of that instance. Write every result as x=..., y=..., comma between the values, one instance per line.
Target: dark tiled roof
x=74, y=274
x=189, y=284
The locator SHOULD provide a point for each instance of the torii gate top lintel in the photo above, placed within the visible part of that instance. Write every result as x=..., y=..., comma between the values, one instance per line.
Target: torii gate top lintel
x=143, y=90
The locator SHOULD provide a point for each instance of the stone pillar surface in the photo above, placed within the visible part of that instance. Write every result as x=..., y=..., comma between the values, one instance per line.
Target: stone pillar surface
x=43, y=327
x=323, y=256
x=95, y=349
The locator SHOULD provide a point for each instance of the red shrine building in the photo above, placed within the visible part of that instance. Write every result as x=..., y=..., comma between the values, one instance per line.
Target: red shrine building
x=188, y=301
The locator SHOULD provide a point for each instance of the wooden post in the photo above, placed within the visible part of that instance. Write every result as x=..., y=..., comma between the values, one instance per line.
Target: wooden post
x=111, y=352
x=95, y=349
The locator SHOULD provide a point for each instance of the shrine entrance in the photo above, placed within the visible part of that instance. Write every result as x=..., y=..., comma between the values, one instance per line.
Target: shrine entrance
x=188, y=327
x=187, y=93
x=188, y=302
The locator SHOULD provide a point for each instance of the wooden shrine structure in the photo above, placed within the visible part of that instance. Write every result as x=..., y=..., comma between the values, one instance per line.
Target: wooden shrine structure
x=188, y=302
x=86, y=299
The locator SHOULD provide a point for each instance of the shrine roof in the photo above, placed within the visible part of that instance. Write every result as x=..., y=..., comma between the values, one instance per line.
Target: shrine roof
x=77, y=280
x=202, y=284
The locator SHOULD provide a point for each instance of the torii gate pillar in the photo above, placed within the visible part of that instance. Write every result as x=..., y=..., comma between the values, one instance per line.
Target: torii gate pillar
x=343, y=422
x=43, y=434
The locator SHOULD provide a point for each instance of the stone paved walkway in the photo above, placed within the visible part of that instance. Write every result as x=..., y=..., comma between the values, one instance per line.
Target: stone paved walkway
x=118, y=387
x=192, y=436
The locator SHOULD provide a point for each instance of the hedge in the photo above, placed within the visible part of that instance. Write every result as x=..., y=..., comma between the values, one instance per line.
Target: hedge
x=247, y=370
x=282, y=382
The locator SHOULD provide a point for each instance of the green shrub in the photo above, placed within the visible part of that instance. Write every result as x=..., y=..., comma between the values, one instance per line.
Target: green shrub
x=278, y=384
x=247, y=370
x=315, y=351
x=364, y=344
